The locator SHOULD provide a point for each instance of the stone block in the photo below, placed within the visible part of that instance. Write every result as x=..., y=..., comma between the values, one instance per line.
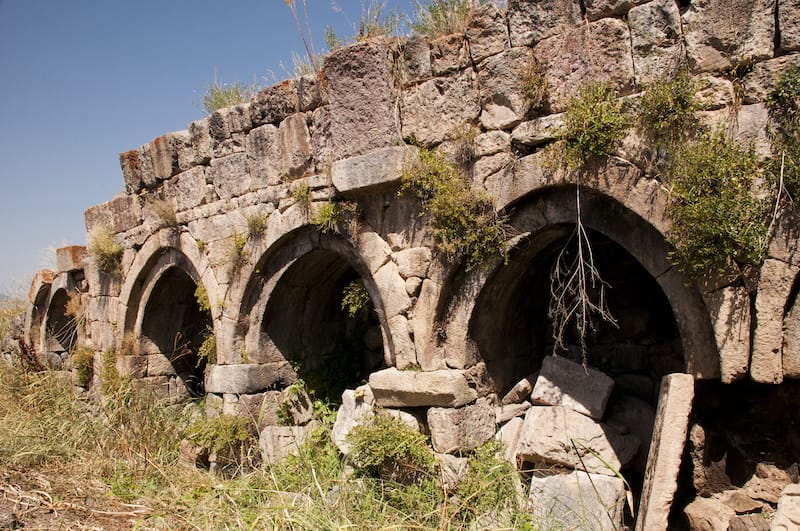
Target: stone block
x=666, y=449
x=41, y=281
x=159, y=365
x=413, y=262
x=132, y=366
x=393, y=290
x=70, y=258
x=225, y=122
x=453, y=100
x=137, y=169
x=230, y=175
x=509, y=434
x=361, y=99
x=787, y=517
x=597, y=9
x=578, y=501
x=120, y=214
x=530, y=21
x=275, y=103
x=774, y=286
x=521, y=390
x=504, y=413
x=263, y=156
x=372, y=172
x=599, y=51
x=200, y=139
x=487, y=32
x=442, y=388
x=562, y=382
x=187, y=190
x=767, y=483
x=463, y=429
x=453, y=469
x=760, y=81
x=706, y=514
x=539, y=130
x=789, y=24
x=297, y=407
x=729, y=309
x=557, y=435
x=356, y=409
x=656, y=39
x=247, y=378
x=294, y=141
x=279, y=442
x=309, y=93
x=720, y=35
x=405, y=355
x=503, y=103
x=491, y=142
x=164, y=154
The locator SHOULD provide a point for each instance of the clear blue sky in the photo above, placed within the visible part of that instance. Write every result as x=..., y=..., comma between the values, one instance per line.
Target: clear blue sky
x=83, y=80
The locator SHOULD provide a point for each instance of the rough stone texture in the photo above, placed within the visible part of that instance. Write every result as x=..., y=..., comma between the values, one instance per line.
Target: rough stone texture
x=461, y=429
x=361, y=96
x=120, y=214
x=509, y=436
x=530, y=21
x=504, y=413
x=539, y=130
x=453, y=100
x=373, y=171
x=759, y=82
x=247, y=378
x=656, y=39
x=599, y=51
x=666, y=449
x=448, y=54
x=487, y=32
x=774, y=285
x=70, y=258
x=274, y=103
x=187, y=190
x=413, y=262
x=562, y=382
x=295, y=146
x=413, y=60
x=444, y=388
x=578, y=500
x=730, y=315
x=791, y=342
x=596, y=9
x=788, y=17
x=521, y=390
x=548, y=434
x=767, y=483
x=787, y=517
x=279, y=442
x=503, y=104
x=357, y=407
x=629, y=414
x=719, y=35
x=453, y=469
x=708, y=514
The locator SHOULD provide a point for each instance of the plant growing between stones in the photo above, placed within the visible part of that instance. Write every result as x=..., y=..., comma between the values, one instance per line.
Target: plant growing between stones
x=302, y=194
x=201, y=296
x=256, y=225
x=237, y=257
x=218, y=96
x=207, y=352
x=465, y=223
x=327, y=216
x=534, y=83
x=165, y=213
x=784, y=105
x=375, y=21
x=83, y=365
x=667, y=109
x=104, y=250
x=355, y=299
x=435, y=18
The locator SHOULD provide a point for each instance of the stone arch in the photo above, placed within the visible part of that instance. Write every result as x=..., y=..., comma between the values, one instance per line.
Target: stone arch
x=543, y=218
x=291, y=310
x=35, y=316
x=61, y=329
x=164, y=325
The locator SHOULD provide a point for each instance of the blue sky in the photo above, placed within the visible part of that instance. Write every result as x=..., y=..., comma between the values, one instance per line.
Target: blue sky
x=84, y=80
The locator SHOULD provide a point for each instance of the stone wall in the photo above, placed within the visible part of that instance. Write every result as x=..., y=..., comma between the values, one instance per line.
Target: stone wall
x=229, y=204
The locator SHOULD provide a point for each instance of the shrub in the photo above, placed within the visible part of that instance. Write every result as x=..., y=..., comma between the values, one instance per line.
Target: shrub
x=717, y=220
x=208, y=348
x=219, y=96
x=784, y=106
x=83, y=364
x=464, y=222
x=435, y=18
x=302, y=194
x=327, y=217
x=667, y=109
x=388, y=449
x=256, y=225
x=104, y=251
x=201, y=296
x=219, y=432
x=355, y=298
x=237, y=258
x=594, y=124
x=534, y=84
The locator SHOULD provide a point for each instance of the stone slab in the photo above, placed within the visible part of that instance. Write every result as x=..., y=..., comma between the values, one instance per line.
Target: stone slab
x=563, y=382
x=247, y=378
x=279, y=442
x=578, y=501
x=462, y=429
x=442, y=388
x=372, y=171
x=357, y=407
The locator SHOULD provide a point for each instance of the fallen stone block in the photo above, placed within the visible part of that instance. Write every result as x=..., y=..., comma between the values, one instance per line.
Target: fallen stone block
x=443, y=388
x=279, y=442
x=578, y=501
x=509, y=436
x=462, y=429
x=559, y=435
x=787, y=516
x=562, y=382
x=357, y=407
x=521, y=390
x=706, y=514
x=247, y=378
x=503, y=414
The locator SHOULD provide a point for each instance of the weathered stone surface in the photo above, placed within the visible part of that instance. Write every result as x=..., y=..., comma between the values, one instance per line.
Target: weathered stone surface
x=263, y=155
x=187, y=190
x=247, y=378
x=274, y=103
x=788, y=17
x=714, y=92
x=539, y=130
x=70, y=258
x=297, y=407
x=164, y=154
x=453, y=100
x=748, y=522
x=487, y=32
x=720, y=36
x=509, y=436
x=448, y=54
x=730, y=316
x=461, y=429
x=600, y=51
x=453, y=468
x=666, y=449
x=503, y=104
x=395, y=299
x=767, y=483
x=405, y=355
x=562, y=382
x=295, y=146
x=596, y=9
x=357, y=408
x=200, y=140
x=656, y=39
x=578, y=500
x=530, y=21
x=279, y=442
x=443, y=388
x=361, y=96
x=504, y=413
x=759, y=82
x=262, y=408
x=413, y=60
x=551, y=434
x=223, y=123
x=521, y=390
x=491, y=142
x=373, y=171
x=774, y=286
x=230, y=175
x=708, y=514
x=120, y=214
x=787, y=517
x=413, y=262
x=791, y=342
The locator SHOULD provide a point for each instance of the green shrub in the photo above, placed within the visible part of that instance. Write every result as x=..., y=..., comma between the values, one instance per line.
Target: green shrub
x=83, y=365
x=435, y=18
x=717, y=219
x=256, y=225
x=219, y=432
x=201, y=296
x=355, y=298
x=784, y=106
x=104, y=250
x=465, y=223
x=327, y=217
x=237, y=258
x=208, y=348
x=667, y=109
x=219, y=96
x=594, y=123
x=302, y=194
x=388, y=449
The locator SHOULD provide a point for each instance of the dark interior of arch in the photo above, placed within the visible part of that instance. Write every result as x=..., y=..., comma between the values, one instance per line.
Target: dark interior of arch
x=61, y=329
x=305, y=324
x=513, y=333
x=174, y=325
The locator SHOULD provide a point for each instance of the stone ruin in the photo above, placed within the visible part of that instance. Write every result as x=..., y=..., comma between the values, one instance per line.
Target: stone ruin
x=692, y=397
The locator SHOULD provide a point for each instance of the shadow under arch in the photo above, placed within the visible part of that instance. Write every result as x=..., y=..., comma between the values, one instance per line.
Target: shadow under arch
x=61, y=329
x=545, y=218
x=292, y=313
x=165, y=323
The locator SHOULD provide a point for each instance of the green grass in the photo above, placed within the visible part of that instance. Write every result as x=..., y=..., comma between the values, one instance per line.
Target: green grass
x=104, y=250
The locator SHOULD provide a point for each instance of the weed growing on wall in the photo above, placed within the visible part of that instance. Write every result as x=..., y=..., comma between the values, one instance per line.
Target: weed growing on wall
x=165, y=213
x=104, y=250
x=784, y=106
x=237, y=257
x=667, y=109
x=201, y=296
x=355, y=299
x=534, y=83
x=717, y=219
x=302, y=194
x=218, y=96
x=327, y=216
x=375, y=21
x=594, y=123
x=83, y=365
x=256, y=225
x=465, y=223
x=207, y=353
x=435, y=18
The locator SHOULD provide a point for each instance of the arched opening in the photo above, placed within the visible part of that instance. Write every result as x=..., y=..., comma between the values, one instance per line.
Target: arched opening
x=174, y=325
x=61, y=330
x=306, y=323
